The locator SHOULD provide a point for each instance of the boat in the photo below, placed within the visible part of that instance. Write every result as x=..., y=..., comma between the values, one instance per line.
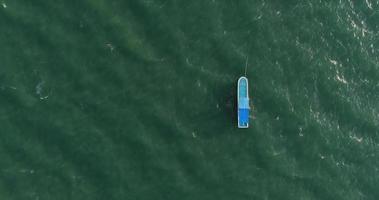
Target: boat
x=243, y=102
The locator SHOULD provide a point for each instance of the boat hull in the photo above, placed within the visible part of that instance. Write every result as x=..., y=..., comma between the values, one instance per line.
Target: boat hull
x=243, y=102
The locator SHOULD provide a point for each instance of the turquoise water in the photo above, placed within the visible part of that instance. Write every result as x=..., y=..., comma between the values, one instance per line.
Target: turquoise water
x=136, y=99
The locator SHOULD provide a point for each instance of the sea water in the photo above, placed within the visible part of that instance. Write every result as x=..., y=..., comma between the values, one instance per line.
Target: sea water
x=136, y=99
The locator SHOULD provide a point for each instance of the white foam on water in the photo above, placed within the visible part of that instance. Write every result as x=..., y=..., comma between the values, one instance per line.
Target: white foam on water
x=358, y=139
x=39, y=90
x=26, y=171
x=194, y=134
x=369, y=4
x=341, y=78
x=110, y=46
x=3, y=87
x=39, y=87
x=334, y=62
x=301, y=132
x=188, y=62
x=198, y=83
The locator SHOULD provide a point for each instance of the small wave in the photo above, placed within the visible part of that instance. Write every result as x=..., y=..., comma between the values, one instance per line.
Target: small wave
x=40, y=90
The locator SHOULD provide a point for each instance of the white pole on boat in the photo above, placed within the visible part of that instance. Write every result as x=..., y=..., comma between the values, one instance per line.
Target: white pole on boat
x=247, y=60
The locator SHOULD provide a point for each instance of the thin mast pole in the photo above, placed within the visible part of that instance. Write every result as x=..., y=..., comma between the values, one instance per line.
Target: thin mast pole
x=247, y=60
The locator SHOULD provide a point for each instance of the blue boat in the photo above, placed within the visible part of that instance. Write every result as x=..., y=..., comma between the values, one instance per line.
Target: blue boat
x=243, y=102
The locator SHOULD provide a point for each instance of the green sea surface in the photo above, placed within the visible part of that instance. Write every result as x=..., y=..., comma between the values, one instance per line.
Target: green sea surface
x=136, y=99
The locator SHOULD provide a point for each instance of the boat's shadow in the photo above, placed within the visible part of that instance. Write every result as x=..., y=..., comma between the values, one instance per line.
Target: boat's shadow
x=226, y=95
